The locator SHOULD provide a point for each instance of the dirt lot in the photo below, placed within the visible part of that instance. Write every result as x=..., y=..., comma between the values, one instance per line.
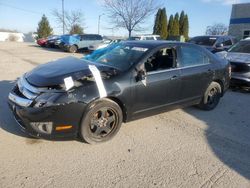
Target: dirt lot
x=181, y=148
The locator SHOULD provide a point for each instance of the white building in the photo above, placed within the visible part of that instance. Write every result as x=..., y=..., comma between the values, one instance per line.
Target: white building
x=240, y=21
x=9, y=36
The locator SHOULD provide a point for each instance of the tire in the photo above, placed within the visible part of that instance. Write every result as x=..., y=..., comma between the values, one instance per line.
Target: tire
x=101, y=121
x=73, y=49
x=211, y=97
x=47, y=45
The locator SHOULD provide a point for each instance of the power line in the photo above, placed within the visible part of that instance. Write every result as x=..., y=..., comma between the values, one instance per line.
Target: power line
x=24, y=10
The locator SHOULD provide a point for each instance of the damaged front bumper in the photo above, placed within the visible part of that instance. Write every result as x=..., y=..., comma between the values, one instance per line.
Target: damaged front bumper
x=47, y=119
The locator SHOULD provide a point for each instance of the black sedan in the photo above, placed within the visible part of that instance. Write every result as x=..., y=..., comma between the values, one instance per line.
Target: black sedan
x=74, y=97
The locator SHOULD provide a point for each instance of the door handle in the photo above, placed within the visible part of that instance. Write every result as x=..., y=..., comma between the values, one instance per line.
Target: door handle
x=174, y=77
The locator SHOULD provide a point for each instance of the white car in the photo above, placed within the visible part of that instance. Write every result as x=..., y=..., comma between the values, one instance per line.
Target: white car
x=145, y=37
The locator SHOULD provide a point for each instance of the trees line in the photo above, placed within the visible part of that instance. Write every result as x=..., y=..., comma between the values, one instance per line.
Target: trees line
x=174, y=27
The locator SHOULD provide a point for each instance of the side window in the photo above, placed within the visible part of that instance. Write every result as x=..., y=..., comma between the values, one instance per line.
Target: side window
x=220, y=40
x=98, y=37
x=191, y=56
x=84, y=37
x=246, y=34
x=227, y=42
x=149, y=38
x=161, y=60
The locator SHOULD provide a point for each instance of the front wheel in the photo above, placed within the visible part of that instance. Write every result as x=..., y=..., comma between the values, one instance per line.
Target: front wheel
x=101, y=121
x=73, y=49
x=211, y=97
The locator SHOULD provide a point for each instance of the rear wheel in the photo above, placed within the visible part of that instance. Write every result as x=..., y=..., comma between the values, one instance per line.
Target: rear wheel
x=73, y=49
x=211, y=97
x=101, y=122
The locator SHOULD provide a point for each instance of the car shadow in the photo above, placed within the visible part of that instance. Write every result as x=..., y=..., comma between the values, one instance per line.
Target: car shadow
x=7, y=121
x=228, y=134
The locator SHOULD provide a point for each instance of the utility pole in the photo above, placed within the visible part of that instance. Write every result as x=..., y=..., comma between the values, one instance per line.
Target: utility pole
x=63, y=16
x=99, y=20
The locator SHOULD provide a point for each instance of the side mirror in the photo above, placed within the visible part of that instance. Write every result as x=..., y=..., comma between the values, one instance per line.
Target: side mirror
x=141, y=75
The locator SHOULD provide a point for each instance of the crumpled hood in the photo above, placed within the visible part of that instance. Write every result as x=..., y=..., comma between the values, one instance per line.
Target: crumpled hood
x=53, y=73
x=235, y=57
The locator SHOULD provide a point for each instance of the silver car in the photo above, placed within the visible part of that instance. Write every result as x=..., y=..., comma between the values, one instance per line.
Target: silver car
x=239, y=57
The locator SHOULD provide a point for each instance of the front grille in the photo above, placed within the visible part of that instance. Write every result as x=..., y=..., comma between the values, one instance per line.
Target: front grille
x=17, y=92
x=24, y=89
x=240, y=67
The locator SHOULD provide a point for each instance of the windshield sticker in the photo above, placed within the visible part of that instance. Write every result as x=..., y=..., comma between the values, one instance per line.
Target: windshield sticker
x=69, y=83
x=140, y=49
x=98, y=79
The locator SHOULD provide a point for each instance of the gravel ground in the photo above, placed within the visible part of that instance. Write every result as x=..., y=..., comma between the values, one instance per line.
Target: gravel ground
x=181, y=148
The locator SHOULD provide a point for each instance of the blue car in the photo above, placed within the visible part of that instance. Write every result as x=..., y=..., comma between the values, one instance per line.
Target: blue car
x=72, y=43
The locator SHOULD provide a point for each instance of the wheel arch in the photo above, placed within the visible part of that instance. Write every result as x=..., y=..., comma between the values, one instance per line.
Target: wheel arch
x=122, y=106
x=221, y=85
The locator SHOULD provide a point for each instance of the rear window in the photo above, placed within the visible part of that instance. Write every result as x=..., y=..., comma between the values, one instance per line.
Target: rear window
x=241, y=47
x=204, y=40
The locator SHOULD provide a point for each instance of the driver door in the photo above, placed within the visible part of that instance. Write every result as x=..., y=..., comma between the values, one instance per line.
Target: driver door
x=161, y=86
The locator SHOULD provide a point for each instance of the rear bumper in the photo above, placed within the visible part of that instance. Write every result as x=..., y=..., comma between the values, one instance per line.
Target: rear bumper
x=44, y=122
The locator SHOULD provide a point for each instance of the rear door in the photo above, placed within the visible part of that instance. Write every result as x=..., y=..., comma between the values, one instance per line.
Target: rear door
x=83, y=43
x=195, y=70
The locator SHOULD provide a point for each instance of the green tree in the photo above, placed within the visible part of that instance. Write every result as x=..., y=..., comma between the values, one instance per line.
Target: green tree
x=181, y=23
x=164, y=24
x=157, y=25
x=170, y=25
x=186, y=27
x=176, y=27
x=44, y=29
x=76, y=29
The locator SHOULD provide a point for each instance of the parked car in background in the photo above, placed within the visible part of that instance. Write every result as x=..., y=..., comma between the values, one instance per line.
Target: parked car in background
x=136, y=79
x=44, y=41
x=214, y=43
x=145, y=37
x=104, y=44
x=72, y=43
x=53, y=42
x=239, y=58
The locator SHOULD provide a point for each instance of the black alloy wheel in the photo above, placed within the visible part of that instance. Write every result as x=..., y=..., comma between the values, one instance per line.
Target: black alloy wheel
x=101, y=121
x=211, y=97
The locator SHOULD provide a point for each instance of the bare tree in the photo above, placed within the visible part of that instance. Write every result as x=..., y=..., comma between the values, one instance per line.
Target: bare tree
x=129, y=14
x=70, y=18
x=217, y=29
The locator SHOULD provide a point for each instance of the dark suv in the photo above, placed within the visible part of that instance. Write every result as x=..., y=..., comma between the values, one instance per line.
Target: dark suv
x=214, y=43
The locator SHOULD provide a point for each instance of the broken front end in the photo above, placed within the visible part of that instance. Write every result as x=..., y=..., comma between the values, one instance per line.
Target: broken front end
x=46, y=112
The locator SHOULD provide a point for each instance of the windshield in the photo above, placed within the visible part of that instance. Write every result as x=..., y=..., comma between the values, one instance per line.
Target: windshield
x=204, y=40
x=122, y=56
x=241, y=47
